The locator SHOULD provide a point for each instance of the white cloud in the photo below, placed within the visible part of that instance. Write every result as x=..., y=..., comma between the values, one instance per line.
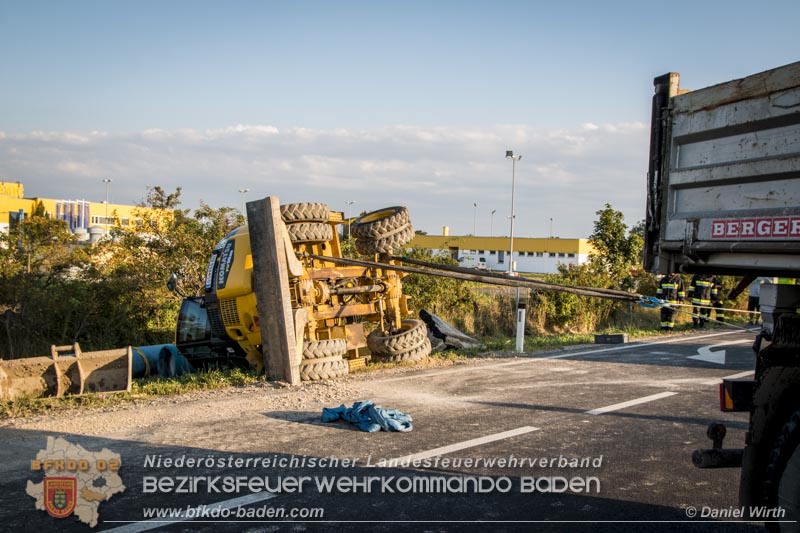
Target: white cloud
x=438, y=172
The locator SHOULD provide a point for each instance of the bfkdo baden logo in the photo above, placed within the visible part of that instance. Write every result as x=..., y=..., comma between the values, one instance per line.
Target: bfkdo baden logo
x=59, y=496
x=75, y=480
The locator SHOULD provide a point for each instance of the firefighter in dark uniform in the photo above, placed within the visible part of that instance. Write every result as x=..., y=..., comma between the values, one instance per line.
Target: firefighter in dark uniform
x=703, y=292
x=671, y=289
x=719, y=309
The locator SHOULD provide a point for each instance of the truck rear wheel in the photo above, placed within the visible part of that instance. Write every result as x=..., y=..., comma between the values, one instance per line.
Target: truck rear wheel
x=323, y=368
x=380, y=224
x=305, y=212
x=784, y=474
x=309, y=232
x=789, y=493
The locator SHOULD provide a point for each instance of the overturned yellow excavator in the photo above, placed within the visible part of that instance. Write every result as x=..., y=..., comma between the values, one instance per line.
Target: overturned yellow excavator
x=315, y=325
x=280, y=297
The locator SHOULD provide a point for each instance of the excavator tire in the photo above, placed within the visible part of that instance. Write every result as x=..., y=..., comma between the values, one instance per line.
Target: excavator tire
x=324, y=348
x=388, y=244
x=309, y=232
x=323, y=368
x=414, y=355
x=412, y=333
x=380, y=224
x=305, y=212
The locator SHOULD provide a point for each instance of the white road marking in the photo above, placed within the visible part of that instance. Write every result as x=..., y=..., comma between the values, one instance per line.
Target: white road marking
x=529, y=360
x=734, y=376
x=643, y=345
x=623, y=405
x=731, y=343
x=464, y=445
x=705, y=354
x=147, y=525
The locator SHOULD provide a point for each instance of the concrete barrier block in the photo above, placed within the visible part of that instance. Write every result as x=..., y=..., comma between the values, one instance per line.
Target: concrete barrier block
x=615, y=338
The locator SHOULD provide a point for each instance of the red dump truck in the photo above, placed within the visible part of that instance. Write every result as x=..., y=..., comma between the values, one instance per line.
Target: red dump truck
x=723, y=197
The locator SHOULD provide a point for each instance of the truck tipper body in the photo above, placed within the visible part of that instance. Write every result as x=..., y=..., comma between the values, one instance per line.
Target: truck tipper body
x=723, y=197
x=724, y=176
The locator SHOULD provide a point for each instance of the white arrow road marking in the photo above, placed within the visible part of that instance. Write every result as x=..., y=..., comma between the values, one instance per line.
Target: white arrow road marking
x=706, y=354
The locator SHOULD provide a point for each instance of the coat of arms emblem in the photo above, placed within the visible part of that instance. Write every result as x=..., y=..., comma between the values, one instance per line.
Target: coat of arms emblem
x=60, y=496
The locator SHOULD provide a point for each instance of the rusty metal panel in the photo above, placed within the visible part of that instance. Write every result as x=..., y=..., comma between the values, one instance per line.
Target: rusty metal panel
x=730, y=173
x=770, y=81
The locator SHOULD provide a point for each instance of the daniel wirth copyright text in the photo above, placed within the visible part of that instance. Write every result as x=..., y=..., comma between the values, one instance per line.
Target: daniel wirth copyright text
x=750, y=513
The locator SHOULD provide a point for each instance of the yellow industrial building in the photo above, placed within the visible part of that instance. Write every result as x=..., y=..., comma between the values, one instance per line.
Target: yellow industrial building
x=531, y=255
x=84, y=218
x=90, y=220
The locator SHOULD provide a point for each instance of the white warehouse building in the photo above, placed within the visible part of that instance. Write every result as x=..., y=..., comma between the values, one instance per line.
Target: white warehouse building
x=532, y=255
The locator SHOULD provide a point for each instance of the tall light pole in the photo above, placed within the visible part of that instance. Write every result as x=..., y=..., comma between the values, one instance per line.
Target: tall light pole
x=551, y=227
x=520, y=309
x=514, y=158
x=244, y=192
x=349, y=204
x=474, y=218
x=491, y=223
x=107, y=181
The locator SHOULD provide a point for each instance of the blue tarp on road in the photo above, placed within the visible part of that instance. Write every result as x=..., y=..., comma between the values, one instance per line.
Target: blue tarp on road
x=369, y=417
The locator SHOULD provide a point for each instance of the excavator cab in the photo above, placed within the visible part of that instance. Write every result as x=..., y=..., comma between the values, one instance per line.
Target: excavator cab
x=195, y=339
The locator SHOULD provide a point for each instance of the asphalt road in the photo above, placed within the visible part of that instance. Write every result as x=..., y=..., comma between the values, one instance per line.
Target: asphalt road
x=592, y=438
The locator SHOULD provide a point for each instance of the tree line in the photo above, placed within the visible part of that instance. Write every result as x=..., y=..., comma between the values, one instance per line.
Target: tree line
x=54, y=290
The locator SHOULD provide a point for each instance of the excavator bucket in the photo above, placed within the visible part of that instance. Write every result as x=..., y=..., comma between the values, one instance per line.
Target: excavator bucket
x=68, y=370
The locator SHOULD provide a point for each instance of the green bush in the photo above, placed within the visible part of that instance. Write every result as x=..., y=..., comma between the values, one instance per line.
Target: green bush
x=442, y=296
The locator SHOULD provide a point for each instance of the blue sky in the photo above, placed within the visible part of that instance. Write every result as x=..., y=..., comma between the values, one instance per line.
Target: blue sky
x=382, y=103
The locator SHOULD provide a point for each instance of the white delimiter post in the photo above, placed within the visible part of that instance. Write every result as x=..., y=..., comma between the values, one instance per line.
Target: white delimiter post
x=520, y=327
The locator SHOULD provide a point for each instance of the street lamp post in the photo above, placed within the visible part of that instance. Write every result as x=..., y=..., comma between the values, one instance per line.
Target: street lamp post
x=107, y=181
x=349, y=204
x=551, y=227
x=244, y=192
x=514, y=158
x=520, y=309
x=474, y=218
x=491, y=223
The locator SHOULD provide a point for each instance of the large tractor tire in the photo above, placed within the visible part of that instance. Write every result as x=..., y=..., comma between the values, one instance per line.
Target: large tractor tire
x=408, y=345
x=413, y=355
x=309, y=232
x=410, y=334
x=324, y=348
x=305, y=212
x=380, y=224
x=386, y=245
x=323, y=368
